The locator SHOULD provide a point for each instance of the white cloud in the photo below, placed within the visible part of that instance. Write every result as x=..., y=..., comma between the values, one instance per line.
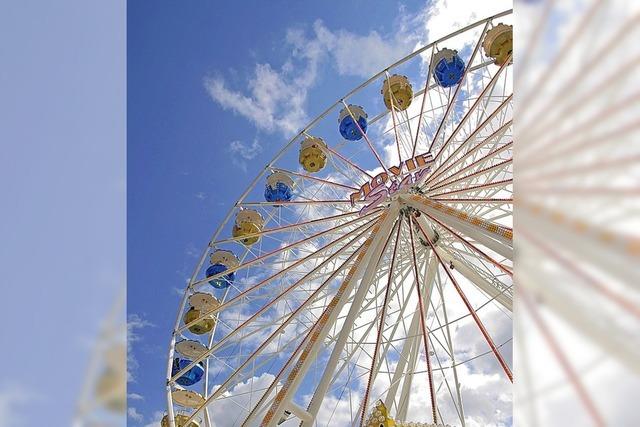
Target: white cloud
x=134, y=323
x=242, y=153
x=228, y=412
x=156, y=418
x=355, y=54
x=275, y=101
x=444, y=16
x=133, y=413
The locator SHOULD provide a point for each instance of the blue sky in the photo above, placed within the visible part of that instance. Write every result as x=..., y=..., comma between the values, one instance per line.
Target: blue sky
x=62, y=221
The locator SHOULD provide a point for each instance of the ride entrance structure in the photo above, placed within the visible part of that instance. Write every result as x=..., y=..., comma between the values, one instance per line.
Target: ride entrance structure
x=365, y=276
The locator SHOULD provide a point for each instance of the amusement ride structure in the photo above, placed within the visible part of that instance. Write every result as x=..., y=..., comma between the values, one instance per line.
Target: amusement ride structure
x=365, y=276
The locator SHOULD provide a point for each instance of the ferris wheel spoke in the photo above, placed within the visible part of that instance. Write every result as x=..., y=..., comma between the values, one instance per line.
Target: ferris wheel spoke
x=268, y=231
x=407, y=134
x=499, y=184
x=492, y=155
x=444, y=380
x=366, y=138
x=265, y=401
x=239, y=298
x=277, y=332
x=298, y=202
x=586, y=277
x=380, y=235
x=480, y=201
x=496, y=290
x=459, y=406
x=412, y=348
x=366, y=307
x=479, y=235
x=405, y=358
x=369, y=217
x=408, y=119
x=267, y=391
x=402, y=129
x=473, y=313
x=423, y=326
x=372, y=371
x=355, y=347
x=424, y=98
x=393, y=118
x=313, y=178
x=383, y=114
x=559, y=142
x=491, y=97
x=475, y=260
x=496, y=135
x=400, y=315
x=497, y=115
x=403, y=275
x=348, y=162
x=453, y=98
x=538, y=125
x=470, y=137
x=499, y=232
x=568, y=45
x=495, y=167
x=600, y=166
x=562, y=360
x=268, y=357
x=286, y=318
x=472, y=246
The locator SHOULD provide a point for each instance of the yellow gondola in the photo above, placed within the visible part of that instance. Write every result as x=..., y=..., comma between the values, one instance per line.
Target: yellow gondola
x=402, y=92
x=379, y=417
x=202, y=326
x=312, y=155
x=248, y=223
x=498, y=43
x=111, y=386
x=180, y=420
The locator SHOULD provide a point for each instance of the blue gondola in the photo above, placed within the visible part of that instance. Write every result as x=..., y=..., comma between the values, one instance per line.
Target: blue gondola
x=448, y=68
x=221, y=261
x=279, y=188
x=222, y=281
x=189, y=378
x=348, y=127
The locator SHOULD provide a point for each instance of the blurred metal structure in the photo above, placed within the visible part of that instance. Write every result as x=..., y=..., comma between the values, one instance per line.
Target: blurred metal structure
x=578, y=236
x=103, y=399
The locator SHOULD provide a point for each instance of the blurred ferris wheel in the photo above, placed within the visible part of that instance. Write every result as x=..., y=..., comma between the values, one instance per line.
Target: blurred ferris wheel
x=365, y=276
x=578, y=243
x=102, y=400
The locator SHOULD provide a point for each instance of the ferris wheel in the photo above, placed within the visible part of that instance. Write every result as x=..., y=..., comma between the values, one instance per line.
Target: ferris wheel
x=365, y=276
x=102, y=400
